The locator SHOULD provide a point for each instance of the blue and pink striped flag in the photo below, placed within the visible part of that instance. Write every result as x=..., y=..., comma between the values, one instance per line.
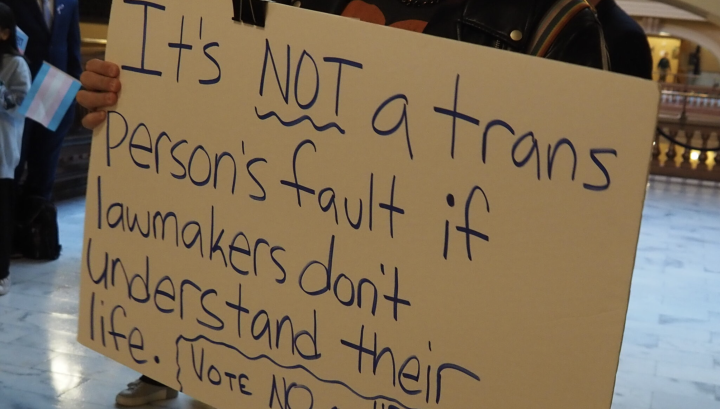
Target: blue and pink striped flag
x=51, y=95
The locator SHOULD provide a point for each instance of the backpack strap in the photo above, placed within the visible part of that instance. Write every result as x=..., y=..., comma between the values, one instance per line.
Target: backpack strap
x=555, y=20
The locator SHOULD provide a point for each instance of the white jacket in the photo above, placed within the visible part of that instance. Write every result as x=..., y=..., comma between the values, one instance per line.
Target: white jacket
x=15, y=76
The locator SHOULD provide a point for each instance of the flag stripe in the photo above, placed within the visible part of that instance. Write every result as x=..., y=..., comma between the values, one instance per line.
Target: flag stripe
x=64, y=105
x=58, y=90
x=37, y=109
x=30, y=98
x=50, y=97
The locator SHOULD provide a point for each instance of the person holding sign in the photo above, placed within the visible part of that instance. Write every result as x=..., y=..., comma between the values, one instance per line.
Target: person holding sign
x=564, y=30
x=14, y=86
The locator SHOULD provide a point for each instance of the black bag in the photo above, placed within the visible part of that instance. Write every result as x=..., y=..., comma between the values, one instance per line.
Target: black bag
x=37, y=234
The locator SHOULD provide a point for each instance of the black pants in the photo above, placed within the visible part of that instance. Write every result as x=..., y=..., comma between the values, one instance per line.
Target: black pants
x=7, y=224
x=150, y=381
x=41, y=153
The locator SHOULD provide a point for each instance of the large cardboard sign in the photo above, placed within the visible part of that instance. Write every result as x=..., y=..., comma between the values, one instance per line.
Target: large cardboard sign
x=325, y=213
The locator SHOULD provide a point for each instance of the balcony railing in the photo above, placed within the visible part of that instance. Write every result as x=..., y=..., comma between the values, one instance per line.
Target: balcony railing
x=688, y=138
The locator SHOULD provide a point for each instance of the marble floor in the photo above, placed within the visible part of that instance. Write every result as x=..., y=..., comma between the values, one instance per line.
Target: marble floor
x=670, y=357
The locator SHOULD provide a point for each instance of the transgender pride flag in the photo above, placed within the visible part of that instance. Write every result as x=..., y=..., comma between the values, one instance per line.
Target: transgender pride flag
x=50, y=97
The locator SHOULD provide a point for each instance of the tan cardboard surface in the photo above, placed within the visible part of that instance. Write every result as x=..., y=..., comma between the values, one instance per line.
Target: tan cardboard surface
x=479, y=277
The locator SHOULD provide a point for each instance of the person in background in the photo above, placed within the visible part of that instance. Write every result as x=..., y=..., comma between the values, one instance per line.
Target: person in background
x=53, y=28
x=492, y=23
x=14, y=86
x=695, y=62
x=663, y=66
x=627, y=43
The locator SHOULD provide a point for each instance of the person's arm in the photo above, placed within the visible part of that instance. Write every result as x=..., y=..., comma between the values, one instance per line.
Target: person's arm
x=73, y=51
x=581, y=42
x=637, y=58
x=17, y=87
x=100, y=91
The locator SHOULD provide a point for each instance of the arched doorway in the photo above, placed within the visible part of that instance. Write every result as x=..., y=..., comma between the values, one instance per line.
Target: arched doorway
x=700, y=38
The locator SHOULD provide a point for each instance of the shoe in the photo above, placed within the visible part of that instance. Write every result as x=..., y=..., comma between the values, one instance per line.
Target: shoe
x=4, y=286
x=134, y=383
x=140, y=393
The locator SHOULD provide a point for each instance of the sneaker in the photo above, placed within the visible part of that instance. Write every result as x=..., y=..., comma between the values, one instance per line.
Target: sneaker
x=4, y=286
x=140, y=393
x=134, y=383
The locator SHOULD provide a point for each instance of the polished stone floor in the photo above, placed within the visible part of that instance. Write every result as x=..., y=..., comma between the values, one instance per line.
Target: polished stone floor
x=670, y=357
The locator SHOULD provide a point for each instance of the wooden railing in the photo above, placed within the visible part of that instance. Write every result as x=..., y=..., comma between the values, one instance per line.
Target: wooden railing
x=689, y=116
x=670, y=159
x=689, y=100
x=707, y=79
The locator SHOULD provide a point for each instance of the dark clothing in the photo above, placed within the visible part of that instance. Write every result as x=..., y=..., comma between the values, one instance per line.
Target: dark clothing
x=695, y=62
x=150, y=381
x=41, y=152
x=492, y=22
x=664, y=67
x=626, y=41
x=7, y=201
x=60, y=47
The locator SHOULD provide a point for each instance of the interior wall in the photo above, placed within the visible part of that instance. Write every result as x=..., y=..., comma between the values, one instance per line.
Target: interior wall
x=709, y=9
x=708, y=61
